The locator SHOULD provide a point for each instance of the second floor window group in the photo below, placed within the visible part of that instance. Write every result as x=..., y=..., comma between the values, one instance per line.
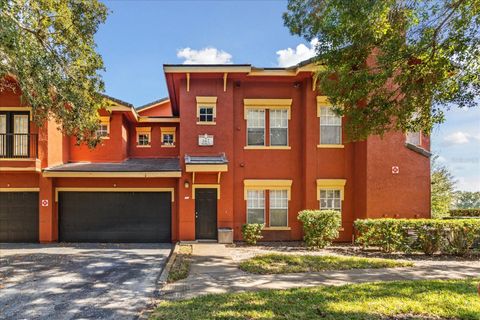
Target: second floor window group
x=257, y=127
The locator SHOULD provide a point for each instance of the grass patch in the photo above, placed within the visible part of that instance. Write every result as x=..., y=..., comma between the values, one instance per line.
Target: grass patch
x=288, y=263
x=426, y=299
x=181, y=266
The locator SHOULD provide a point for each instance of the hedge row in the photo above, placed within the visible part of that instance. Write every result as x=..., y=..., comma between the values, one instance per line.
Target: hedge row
x=465, y=212
x=425, y=235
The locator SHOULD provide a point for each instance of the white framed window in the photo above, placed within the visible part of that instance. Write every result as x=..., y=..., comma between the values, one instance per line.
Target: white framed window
x=414, y=138
x=206, y=110
x=3, y=134
x=143, y=139
x=330, y=199
x=206, y=114
x=278, y=208
x=256, y=206
x=255, y=127
x=278, y=127
x=20, y=137
x=330, y=126
x=102, y=131
x=168, y=139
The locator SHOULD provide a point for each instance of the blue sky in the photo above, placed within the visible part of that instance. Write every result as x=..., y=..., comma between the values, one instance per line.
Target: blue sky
x=140, y=36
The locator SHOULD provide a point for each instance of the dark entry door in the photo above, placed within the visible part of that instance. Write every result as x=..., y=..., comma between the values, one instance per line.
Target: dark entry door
x=115, y=216
x=18, y=216
x=205, y=214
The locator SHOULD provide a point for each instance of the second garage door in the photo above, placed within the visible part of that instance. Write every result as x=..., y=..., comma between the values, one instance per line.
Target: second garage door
x=114, y=216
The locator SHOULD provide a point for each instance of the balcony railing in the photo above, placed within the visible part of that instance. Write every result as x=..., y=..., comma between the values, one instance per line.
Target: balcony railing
x=18, y=145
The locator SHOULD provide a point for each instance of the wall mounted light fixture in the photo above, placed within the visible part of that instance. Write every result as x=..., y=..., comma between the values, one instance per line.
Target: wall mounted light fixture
x=186, y=184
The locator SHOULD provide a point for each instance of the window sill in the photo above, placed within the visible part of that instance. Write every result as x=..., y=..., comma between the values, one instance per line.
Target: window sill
x=142, y=146
x=105, y=138
x=418, y=149
x=267, y=148
x=330, y=146
x=168, y=146
x=277, y=229
x=201, y=123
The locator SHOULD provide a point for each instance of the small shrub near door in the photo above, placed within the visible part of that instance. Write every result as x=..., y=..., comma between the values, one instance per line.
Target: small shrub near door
x=320, y=227
x=252, y=232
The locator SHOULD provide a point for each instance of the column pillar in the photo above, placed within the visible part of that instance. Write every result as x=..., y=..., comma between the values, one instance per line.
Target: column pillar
x=48, y=226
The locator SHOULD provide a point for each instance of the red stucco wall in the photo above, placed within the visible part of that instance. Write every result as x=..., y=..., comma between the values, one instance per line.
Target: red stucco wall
x=371, y=189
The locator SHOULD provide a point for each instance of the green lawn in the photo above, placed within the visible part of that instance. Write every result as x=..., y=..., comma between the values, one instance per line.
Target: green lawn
x=285, y=263
x=427, y=299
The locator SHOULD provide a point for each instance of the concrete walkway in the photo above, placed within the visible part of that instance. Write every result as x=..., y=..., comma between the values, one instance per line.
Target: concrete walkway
x=215, y=271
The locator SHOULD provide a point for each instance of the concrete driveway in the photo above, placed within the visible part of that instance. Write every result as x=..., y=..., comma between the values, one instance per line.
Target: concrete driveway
x=78, y=281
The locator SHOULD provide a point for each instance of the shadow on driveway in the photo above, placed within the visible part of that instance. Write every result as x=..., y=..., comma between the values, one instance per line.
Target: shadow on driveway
x=72, y=281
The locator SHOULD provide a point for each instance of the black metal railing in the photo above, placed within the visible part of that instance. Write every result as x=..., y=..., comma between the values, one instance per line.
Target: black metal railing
x=18, y=145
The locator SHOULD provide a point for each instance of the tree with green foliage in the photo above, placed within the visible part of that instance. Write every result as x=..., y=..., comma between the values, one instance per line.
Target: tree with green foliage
x=466, y=200
x=47, y=52
x=392, y=64
x=442, y=189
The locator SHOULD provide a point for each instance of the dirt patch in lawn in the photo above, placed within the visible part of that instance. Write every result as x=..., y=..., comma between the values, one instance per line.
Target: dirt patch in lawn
x=181, y=266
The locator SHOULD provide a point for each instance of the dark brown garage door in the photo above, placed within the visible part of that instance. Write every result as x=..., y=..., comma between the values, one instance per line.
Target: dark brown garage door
x=18, y=216
x=114, y=216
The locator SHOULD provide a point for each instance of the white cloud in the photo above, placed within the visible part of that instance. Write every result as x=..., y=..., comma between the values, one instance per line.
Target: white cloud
x=207, y=55
x=470, y=183
x=290, y=57
x=460, y=137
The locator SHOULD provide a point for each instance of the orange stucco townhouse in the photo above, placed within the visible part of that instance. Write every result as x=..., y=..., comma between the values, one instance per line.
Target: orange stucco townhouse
x=231, y=144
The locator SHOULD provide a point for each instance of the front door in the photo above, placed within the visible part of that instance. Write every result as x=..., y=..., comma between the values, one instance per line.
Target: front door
x=205, y=214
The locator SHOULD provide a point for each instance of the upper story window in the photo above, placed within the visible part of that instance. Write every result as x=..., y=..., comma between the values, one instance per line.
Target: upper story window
x=206, y=110
x=205, y=114
x=330, y=124
x=414, y=138
x=168, y=136
x=279, y=127
x=277, y=112
x=103, y=130
x=256, y=127
x=144, y=137
x=15, y=134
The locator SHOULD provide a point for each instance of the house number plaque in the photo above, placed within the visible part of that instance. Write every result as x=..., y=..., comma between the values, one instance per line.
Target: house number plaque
x=205, y=140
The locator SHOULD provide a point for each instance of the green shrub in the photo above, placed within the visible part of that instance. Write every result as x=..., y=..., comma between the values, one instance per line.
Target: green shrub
x=429, y=236
x=461, y=235
x=252, y=232
x=387, y=234
x=320, y=227
x=425, y=235
x=465, y=212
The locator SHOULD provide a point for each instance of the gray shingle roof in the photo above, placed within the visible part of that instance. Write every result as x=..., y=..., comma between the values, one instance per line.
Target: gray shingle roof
x=129, y=165
x=152, y=103
x=218, y=159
